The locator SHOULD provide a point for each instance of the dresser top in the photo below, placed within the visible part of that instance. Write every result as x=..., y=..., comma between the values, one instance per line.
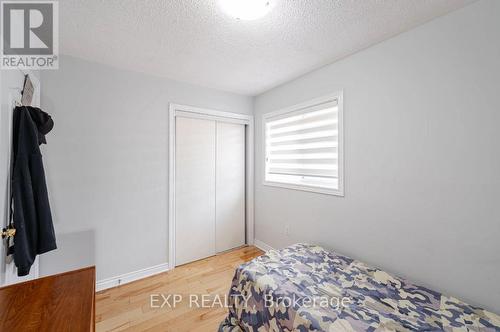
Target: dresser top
x=61, y=302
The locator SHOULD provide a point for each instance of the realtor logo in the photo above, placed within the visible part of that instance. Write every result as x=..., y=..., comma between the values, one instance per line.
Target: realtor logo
x=29, y=34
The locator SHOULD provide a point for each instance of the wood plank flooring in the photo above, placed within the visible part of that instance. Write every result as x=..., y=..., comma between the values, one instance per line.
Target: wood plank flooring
x=128, y=307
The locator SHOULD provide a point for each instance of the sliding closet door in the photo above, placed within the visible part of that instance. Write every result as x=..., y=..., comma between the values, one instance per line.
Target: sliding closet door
x=195, y=189
x=230, y=188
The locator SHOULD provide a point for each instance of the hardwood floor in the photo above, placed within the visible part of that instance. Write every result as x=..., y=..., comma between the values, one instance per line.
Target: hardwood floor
x=129, y=307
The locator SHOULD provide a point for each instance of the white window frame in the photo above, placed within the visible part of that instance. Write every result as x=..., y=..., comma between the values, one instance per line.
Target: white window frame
x=310, y=103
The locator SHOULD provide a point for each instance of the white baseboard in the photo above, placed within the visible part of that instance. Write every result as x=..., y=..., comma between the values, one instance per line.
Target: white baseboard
x=261, y=245
x=131, y=276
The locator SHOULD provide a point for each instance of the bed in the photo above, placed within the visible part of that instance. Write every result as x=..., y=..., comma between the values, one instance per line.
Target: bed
x=338, y=294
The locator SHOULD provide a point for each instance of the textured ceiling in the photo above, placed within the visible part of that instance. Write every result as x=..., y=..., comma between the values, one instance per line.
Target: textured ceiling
x=194, y=41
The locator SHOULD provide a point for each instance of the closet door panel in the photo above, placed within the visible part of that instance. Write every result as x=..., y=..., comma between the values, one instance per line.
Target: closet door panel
x=230, y=188
x=195, y=189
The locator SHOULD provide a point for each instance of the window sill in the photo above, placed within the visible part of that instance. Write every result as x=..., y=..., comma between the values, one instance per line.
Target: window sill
x=318, y=190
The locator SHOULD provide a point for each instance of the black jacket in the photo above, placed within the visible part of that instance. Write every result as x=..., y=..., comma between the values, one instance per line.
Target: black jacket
x=32, y=217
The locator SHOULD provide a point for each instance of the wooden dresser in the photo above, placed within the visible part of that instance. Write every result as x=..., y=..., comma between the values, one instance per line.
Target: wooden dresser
x=62, y=302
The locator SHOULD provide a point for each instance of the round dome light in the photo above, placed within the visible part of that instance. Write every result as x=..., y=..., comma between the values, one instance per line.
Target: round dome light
x=245, y=9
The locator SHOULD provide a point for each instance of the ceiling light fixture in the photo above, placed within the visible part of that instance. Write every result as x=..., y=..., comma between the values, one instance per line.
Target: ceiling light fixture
x=245, y=9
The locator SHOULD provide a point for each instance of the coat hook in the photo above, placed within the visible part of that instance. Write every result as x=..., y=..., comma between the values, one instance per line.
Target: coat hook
x=8, y=232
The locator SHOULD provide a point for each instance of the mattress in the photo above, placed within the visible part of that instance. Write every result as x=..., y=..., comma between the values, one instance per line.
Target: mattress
x=306, y=288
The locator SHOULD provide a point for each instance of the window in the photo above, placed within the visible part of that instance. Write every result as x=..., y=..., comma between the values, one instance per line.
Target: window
x=303, y=146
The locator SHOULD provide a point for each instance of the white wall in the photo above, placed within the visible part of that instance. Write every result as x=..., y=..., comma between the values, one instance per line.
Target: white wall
x=107, y=163
x=422, y=157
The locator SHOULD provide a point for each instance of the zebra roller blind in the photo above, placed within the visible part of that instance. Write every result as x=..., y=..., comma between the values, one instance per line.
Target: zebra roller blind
x=302, y=148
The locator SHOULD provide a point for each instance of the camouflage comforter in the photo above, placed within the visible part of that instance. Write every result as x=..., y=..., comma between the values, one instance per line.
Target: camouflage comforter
x=262, y=291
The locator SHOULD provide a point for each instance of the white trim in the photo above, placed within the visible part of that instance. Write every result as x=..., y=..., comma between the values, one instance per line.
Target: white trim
x=338, y=95
x=249, y=184
x=202, y=113
x=210, y=112
x=210, y=117
x=131, y=276
x=301, y=187
x=171, y=185
x=262, y=246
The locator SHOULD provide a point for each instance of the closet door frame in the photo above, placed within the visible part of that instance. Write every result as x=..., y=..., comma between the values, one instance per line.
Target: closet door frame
x=208, y=114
